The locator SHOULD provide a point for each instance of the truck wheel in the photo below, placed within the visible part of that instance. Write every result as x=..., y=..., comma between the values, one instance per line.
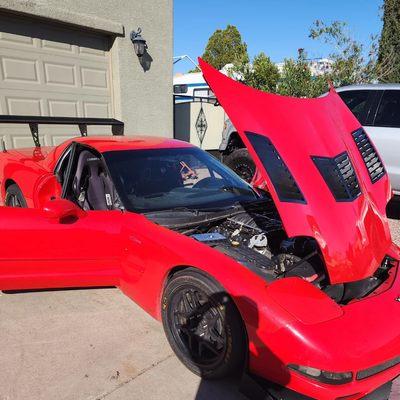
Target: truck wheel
x=241, y=162
x=203, y=325
x=14, y=197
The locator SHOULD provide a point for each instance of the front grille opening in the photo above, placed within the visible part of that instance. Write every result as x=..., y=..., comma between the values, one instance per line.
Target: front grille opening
x=339, y=175
x=282, y=179
x=368, y=153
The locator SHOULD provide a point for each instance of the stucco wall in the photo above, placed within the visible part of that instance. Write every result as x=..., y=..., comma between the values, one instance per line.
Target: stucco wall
x=142, y=99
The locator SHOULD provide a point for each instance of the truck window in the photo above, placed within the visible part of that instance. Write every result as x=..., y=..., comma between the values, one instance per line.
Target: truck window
x=389, y=110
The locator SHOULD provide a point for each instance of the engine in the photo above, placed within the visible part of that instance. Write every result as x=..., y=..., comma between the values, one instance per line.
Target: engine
x=257, y=240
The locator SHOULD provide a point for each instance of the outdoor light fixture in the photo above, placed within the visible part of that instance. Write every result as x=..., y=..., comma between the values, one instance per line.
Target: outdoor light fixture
x=139, y=43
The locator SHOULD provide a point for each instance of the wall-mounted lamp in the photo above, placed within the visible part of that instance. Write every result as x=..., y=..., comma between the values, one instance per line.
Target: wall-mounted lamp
x=139, y=43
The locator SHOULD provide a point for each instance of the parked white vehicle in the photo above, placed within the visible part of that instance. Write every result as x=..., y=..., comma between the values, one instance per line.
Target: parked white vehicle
x=377, y=107
x=191, y=84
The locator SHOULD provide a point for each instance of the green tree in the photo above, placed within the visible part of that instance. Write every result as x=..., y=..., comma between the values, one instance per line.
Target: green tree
x=354, y=62
x=297, y=80
x=261, y=74
x=389, y=44
x=349, y=65
x=225, y=46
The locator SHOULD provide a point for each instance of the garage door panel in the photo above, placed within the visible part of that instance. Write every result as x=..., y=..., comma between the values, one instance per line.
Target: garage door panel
x=19, y=69
x=16, y=39
x=96, y=109
x=50, y=70
x=61, y=47
x=63, y=108
x=94, y=78
x=60, y=74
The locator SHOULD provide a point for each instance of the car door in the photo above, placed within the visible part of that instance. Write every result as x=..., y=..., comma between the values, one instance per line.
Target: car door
x=384, y=130
x=59, y=246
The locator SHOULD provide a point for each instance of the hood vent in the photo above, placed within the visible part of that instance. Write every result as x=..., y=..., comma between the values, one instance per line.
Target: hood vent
x=340, y=176
x=283, y=181
x=371, y=158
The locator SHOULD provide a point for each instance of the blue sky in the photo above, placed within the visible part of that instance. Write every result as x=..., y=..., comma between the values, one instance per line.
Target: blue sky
x=277, y=27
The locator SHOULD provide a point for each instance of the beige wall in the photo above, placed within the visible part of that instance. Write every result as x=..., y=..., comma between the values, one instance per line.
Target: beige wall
x=142, y=99
x=186, y=115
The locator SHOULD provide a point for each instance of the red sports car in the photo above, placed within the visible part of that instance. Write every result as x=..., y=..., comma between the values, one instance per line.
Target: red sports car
x=298, y=284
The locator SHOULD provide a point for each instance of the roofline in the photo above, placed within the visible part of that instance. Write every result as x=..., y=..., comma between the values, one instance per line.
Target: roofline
x=370, y=86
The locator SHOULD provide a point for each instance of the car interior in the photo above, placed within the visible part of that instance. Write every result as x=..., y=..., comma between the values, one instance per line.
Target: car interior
x=86, y=181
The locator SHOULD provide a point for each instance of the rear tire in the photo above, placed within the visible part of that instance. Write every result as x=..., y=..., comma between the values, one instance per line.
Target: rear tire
x=203, y=325
x=241, y=163
x=14, y=197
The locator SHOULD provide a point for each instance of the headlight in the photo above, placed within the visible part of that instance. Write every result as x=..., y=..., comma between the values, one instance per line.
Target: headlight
x=332, y=378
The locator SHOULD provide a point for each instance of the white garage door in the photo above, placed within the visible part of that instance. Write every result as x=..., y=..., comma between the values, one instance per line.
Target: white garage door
x=50, y=70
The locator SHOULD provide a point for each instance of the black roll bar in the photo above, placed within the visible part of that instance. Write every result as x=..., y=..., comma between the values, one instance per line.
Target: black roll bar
x=117, y=127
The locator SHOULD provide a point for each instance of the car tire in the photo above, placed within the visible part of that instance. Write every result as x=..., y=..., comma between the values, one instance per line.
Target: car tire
x=203, y=326
x=14, y=197
x=241, y=163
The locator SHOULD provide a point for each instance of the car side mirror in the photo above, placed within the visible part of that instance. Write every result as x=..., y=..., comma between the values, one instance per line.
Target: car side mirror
x=62, y=211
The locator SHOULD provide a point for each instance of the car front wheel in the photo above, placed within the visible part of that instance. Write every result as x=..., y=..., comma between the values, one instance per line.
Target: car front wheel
x=14, y=197
x=203, y=325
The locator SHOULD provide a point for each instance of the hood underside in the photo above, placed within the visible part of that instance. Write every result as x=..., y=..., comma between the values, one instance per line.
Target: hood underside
x=324, y=174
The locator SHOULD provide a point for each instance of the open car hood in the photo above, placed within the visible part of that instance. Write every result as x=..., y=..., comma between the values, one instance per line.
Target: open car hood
x=324, y=174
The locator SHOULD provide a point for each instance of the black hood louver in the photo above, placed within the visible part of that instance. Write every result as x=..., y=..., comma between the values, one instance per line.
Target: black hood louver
x=339, y=175
x=368, y=153
x=282, y=179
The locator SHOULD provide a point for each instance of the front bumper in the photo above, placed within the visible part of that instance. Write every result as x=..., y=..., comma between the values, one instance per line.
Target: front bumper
x=366, y=336
x=277, y=392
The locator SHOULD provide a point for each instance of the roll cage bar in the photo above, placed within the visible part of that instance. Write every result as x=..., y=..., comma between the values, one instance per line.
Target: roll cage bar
x=117, y=127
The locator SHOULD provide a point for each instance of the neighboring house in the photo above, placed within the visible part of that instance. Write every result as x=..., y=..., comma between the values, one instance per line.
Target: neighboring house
x=318, y=66
x=75, y=58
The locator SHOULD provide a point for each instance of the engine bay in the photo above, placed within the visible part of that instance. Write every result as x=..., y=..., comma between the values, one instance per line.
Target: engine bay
x=253, y=235
x=256, y=238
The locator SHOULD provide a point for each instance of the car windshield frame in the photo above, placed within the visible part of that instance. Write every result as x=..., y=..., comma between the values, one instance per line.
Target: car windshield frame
x=231, y=191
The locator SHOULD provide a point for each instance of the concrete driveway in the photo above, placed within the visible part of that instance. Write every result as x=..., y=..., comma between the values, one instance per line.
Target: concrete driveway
x=94, y=344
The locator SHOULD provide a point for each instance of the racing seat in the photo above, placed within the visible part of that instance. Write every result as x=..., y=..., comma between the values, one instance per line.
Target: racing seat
x=92, y=187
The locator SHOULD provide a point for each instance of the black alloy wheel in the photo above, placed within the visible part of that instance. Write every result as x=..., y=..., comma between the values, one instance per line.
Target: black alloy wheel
x=203, y=326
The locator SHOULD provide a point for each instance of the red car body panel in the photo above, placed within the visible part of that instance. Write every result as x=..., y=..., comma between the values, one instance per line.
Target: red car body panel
x=288, y=321
x=301, y=129
x=131, y=252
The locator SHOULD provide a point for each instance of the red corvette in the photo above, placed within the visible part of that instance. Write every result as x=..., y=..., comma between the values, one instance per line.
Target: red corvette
x=299, y=285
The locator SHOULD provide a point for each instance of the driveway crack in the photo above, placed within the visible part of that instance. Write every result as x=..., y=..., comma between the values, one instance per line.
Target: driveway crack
x=143, y=371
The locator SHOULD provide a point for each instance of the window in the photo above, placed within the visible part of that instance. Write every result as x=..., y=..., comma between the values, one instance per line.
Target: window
x=356, y=100
x=389, y=110
x=180, y=89
x=165, y=179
